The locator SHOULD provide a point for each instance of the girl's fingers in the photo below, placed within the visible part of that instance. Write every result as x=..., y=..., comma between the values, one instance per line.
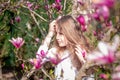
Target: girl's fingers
x=78, y=52
x=78, y=48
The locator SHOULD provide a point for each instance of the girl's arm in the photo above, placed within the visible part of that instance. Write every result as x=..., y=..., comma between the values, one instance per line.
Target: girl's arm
x=47, y=40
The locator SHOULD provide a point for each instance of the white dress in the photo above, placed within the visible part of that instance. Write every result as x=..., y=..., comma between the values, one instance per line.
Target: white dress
x=63, y=70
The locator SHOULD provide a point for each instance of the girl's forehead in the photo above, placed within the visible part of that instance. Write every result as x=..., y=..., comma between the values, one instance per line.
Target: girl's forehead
x=57, y=29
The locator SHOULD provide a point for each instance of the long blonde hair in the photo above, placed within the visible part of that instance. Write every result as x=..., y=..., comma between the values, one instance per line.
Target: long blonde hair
x=68, y=26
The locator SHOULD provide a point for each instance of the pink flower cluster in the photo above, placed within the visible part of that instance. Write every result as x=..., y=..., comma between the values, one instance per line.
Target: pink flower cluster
x=100, y=12
x=42, y=58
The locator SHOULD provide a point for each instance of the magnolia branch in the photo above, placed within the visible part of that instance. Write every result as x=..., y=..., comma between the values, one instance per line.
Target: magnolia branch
x=36, y=14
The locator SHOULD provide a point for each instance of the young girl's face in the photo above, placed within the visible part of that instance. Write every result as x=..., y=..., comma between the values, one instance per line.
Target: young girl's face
x=61, y=39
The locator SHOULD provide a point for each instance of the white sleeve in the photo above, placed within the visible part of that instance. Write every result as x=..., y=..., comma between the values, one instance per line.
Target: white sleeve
x=50, y=53
x=42, y=47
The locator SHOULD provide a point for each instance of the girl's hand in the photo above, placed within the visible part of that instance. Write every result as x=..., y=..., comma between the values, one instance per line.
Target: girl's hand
x=78, y=52
x=52, y=28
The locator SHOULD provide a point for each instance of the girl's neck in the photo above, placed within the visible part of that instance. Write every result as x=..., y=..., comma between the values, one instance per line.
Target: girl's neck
x=63, y=54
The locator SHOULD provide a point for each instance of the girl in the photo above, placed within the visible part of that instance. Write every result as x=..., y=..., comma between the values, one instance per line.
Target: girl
x=68, y=50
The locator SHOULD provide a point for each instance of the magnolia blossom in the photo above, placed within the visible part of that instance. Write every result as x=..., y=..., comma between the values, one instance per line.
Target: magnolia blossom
x=17, y=19
x=94, y=33
x=18, y=42
x=103, y=12
x=37, y=40
x=55, y=60
x=22, y=65
x=37, y=62
x=106, y=53
x=42, y=54
x=57, y=6
x=81, y=20
x=103, y=76
x=29, y=5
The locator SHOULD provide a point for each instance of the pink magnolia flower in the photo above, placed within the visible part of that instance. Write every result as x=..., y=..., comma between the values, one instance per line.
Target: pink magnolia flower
x=22, y=65
x=109, y=23
x=57, y=6
x=104, y=12
x=101, y=12
x=81, y=20
x=103, y=76
x=17, y=19
x=94, y=33
x=37, y=40
x=18, y=42
x=55, y=60
x=42, y=54
x=106, y=53
x=46, y=7
x=36, y=62
x=29, y=5
x=96, y=16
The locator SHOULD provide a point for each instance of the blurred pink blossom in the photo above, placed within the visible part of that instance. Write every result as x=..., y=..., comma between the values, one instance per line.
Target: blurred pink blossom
x=103, y=12
x=103, y=76
x=94, y=33
x=22, y=65
x=18, y=42
x=109, y=23
x=37, y=63
x=57, y=6
x=29, y=5
x=106, y=53
x=42, y=54
x=46, y=7
x=81, y=20
x=55, y=60
x=17, y=19
x=37, y=40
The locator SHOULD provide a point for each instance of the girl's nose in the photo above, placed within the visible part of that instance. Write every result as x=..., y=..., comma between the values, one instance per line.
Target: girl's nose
x=57, y=36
